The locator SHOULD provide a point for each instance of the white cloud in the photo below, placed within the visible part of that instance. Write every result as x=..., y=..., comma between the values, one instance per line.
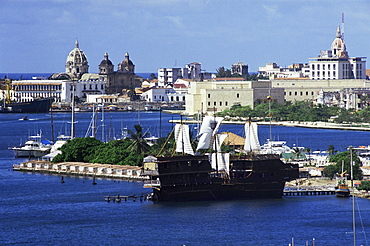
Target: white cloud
x=272, y=10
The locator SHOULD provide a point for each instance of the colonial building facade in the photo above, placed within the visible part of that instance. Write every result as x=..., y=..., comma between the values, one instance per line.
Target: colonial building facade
x=123, y=78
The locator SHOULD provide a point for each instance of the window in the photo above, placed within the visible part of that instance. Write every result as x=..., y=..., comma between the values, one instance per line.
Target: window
x=209, y=95
x=318, y=66
x=209, y=103
x=214, y=103
x=237, y=95
x=220, y=103
x=323, y=66
x=333, y=66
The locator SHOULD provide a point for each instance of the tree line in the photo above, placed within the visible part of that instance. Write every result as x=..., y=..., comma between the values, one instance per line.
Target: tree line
x=299, y=111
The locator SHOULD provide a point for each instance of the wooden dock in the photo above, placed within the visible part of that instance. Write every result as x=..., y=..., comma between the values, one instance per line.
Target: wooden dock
x=308, y=192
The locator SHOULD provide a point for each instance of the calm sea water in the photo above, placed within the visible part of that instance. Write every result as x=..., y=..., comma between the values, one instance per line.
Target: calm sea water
x=36, y=209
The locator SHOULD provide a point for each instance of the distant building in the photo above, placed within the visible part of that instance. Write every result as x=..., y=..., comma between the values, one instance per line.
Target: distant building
x=77, y=66
x=336, y=64
x=123, y=78
x=273, y=71
x=193, y=71
x=239, y=68
x=60, y=90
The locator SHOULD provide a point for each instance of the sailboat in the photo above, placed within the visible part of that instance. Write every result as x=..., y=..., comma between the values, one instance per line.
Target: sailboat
x=216, y=175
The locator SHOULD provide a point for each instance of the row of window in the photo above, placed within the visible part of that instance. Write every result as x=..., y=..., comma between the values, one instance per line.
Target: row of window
x=215, y=103
x=38, y=87
x=301, y=93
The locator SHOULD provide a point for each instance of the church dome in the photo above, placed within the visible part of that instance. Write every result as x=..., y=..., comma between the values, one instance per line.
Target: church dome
x=76, y=56
x=106, y=61
x=127, y=60
x=126, y=66
x=77, y=62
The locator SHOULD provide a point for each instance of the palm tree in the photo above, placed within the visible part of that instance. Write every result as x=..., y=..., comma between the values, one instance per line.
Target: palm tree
x=297, y=152
x=139, y=145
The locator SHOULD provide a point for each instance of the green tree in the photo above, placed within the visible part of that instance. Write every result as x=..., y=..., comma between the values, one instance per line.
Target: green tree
x=222, y=72
x=345, y=158
x=365, y=185
x=79, y=150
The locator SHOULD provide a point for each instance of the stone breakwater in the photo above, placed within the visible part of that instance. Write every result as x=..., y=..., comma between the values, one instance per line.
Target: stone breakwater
x=83, y=169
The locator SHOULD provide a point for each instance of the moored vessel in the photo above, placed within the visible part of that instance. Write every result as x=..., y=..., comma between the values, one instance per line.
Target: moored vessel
x=8, y=105
x=217, y=176
x=34, y=147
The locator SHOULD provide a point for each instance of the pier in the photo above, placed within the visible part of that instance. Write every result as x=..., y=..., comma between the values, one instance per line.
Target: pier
x=308, y=192
x=83, y=169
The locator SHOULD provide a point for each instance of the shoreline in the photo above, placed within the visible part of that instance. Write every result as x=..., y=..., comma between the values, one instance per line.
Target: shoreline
x=315, y=125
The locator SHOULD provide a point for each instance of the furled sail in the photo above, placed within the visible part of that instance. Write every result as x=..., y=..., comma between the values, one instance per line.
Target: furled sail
x=182, y=138
x=208, y=130
x=222, y=161
x=251, y=137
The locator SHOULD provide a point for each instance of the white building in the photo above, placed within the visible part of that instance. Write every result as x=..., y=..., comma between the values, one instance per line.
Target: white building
x=60, y=90
x=162, y=95
x=191, y=71
x=273, y=71
x=336, y=64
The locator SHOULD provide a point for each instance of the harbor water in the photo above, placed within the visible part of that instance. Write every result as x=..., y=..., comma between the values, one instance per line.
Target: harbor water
x=37, y=209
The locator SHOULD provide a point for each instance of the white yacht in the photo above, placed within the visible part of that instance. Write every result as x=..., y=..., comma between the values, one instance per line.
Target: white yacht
x=34, y=147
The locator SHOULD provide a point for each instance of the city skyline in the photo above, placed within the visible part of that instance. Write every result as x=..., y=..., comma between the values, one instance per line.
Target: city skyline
x=38, y=35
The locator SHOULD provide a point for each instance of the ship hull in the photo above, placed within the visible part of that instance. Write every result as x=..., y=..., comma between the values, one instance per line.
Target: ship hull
x=219, y=192
x=36, y=106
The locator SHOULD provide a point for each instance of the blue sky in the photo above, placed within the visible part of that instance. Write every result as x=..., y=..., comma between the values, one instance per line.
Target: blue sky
x=37, y=35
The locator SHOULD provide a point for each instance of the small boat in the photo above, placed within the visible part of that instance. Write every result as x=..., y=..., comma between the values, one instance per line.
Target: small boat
x=34, y=147
x=24, y=118
x=342, y=189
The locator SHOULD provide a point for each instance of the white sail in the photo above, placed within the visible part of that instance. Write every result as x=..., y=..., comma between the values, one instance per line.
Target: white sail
x=208, y=129
x=220, y=138
x=251, y=137
x=182, y=138
x=222, y=161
